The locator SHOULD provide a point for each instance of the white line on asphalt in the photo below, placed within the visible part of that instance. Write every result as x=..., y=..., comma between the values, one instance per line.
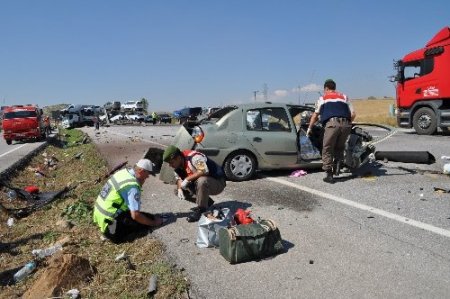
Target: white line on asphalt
x=14, y=149
x=402, y=219
x=125, y=135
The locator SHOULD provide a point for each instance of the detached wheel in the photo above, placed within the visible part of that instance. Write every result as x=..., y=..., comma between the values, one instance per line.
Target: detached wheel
x=240, y=166
x=424, y=121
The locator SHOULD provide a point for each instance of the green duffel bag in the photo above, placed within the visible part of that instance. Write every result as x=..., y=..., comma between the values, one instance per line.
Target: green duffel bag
x=249, y=242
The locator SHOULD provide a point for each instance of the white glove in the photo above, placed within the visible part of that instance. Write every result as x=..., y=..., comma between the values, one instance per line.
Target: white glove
x=181, y=194
x=184, y=184
x=308, y=132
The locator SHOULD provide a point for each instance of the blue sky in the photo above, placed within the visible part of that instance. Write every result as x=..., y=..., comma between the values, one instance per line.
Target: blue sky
x=205, y=53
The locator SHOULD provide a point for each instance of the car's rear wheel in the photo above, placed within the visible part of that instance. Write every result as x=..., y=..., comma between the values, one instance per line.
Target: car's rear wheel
x=240, y=166
x=8, y=141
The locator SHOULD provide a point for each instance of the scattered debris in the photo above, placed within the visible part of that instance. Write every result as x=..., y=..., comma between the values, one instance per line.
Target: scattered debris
x=441, y=190
x=298, y=173
x=152, y=285
x=418, y=157
x=124, y=257
x=10, y=222
x=42, y=253
x=25, y=271
x=73, y=293
x=446, y=168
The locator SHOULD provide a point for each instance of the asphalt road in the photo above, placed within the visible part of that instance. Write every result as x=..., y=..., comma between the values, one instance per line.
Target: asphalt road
x=11, y=154
x=383, y=233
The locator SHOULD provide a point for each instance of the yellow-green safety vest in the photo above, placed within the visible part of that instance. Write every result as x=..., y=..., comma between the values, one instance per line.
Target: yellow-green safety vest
x=109, y=200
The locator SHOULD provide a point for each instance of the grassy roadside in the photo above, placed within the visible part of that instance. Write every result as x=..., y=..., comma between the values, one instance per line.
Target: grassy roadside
x=79, y=164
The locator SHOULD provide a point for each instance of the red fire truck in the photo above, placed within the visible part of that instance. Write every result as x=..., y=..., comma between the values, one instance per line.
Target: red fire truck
x=23, y=122
x=423, y=86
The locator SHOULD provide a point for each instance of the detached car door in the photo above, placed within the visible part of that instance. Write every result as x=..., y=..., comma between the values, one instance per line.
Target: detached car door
x=270, y=133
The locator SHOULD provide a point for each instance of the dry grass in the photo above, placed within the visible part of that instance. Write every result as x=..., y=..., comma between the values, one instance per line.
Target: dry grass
x=40, y=230
x=374, y=111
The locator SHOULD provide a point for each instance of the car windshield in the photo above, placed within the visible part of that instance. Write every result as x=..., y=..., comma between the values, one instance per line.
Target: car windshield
x=20, y=114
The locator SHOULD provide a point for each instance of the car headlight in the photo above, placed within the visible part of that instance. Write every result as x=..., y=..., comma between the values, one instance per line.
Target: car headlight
x=197, y=134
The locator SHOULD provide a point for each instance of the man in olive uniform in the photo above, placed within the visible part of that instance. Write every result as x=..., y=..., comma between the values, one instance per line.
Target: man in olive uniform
x=117, y=208
x=336, y=115
x=195, y=174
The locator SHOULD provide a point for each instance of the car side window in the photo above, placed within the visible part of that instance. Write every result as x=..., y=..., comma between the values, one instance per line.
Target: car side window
x=268, y=119
x=275, y=119
x=254, y=120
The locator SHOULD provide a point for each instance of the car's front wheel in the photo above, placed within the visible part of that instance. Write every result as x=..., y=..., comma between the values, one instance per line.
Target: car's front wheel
x=240, y=166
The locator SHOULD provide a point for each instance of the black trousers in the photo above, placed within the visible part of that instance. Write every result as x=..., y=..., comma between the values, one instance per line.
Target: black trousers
x=124, y=226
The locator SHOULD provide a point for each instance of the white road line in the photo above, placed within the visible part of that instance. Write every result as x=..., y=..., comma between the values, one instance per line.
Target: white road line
x=14, y=149
x=402, y=219
x=125, y=135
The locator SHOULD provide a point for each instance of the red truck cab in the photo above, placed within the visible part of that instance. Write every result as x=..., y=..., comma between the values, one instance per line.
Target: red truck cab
x=23, y=122
x=423, y=86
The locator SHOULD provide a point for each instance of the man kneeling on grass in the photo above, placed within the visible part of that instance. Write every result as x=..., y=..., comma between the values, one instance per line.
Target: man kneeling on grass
x=117, y=208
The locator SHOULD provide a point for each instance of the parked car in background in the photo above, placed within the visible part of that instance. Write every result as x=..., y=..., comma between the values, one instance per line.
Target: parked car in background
x=132, y=106
x=165, y=118
x=135, y=117
x=187, y=114
x=263, y=136
x=117, y=118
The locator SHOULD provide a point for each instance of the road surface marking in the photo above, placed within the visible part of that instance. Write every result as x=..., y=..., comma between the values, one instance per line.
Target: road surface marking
x=14, y=149
x=402, y=219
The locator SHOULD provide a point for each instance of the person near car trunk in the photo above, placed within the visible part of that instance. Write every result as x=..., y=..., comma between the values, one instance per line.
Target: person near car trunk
x=195, y=175
x=336, y=115
x=117, y=208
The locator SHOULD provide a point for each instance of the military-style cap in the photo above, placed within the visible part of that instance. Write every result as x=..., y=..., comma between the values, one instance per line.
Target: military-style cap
x=170, y=152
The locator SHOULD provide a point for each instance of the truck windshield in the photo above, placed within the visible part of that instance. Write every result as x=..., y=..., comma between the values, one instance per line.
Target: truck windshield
x=20, y=114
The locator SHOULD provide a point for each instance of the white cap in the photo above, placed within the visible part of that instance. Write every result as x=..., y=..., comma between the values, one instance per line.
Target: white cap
x=147, y=165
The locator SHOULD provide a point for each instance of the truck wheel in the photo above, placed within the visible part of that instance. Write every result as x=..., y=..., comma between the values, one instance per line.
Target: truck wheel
x=240, y=166
x=8, y=141
x=424, y=121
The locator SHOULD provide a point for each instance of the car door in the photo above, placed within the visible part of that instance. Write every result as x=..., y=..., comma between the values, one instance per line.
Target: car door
x=270, y=133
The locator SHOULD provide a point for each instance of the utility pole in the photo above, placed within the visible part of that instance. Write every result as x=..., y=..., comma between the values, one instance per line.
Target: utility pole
x=254, y=94
x=265, y=92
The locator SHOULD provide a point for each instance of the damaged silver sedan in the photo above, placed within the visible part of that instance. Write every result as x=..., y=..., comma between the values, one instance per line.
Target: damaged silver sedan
x=264, y=136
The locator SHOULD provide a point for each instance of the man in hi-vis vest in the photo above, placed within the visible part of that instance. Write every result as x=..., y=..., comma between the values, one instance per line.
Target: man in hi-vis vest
x=117, y=208
x=197, y=175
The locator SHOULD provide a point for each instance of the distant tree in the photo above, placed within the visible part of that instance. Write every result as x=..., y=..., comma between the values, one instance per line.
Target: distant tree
x=371, y=98
x=145, y=103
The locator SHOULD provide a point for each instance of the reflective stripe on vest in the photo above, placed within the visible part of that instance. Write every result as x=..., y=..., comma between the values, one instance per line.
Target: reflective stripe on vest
x=109, y=200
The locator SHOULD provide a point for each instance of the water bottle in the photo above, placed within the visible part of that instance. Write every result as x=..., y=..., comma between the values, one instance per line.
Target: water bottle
x=25, y=271
x=12, y=195
x=41, y=253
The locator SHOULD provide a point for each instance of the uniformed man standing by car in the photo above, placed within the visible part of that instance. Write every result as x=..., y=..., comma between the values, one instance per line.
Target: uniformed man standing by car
x=336, y=115
x=197, y=174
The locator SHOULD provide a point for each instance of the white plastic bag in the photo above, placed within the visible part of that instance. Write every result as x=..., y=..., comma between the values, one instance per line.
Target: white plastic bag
x=209, y=225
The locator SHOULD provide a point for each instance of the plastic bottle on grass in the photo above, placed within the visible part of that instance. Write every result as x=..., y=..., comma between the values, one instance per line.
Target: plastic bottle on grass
x=25, y=271
x=41, y=253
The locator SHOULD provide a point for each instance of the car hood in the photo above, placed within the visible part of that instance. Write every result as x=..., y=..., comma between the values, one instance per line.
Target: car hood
x=183, y=140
